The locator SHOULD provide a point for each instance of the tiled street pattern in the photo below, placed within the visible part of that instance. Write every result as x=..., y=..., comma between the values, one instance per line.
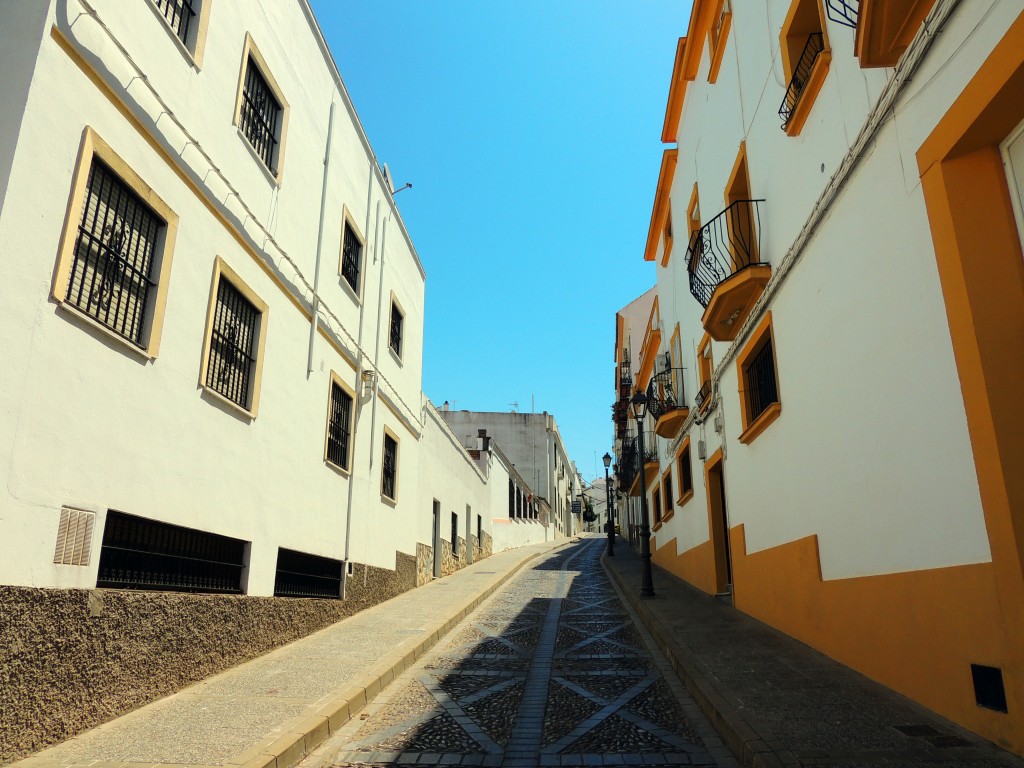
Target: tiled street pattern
x=550, y=672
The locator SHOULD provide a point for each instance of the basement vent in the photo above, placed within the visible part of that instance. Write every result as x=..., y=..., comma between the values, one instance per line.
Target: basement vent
x=74, y=537
x=988, y=687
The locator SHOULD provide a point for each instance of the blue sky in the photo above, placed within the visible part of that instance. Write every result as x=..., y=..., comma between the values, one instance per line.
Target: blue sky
x=531, y=134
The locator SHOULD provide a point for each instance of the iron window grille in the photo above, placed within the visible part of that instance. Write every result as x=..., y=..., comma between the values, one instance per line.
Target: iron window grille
x=511, y=499
x=843, y=12
x=656, y=504
x=303, y=575
x=115, y=250
x=351, y=257
x=261, y=113
x=801, y=74
x=179, y=14
x=145, y=554
x=397, y=321
x=479, y=530
x=232, y=341
x=667, y=495
x=759, y=374
x=455, y=534
x=685, y=471
x=723, y=247
x=338, y=428
x=390, y=469
x=703, y=394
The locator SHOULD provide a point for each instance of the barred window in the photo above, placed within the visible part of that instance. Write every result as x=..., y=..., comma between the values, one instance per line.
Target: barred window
x=179, y=14
x=397, y=321
x=455, y=534
x=260, y=115
x=339, y=426
x=666, y=495
x=112, y=270
x=759, y=374
x=389, y=472
x=685, y=470
x=656, y=504
x=233, y=337
x=351, y=257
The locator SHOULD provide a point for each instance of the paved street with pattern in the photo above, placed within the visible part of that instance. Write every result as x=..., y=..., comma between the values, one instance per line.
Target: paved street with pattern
x=550, y=671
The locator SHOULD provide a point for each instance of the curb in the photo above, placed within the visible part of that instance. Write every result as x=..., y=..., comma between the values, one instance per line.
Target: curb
x=284, y=751
x=753, y=749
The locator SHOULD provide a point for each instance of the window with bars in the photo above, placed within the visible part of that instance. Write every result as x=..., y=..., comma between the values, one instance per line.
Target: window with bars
x=667, y=497
x=113, y=263
x=511, y=499
x=233, y=343
x=389, y=473
x=351, y=257
x=685, y=470
x=455, y=534
x=759, y=375
x=260, y=116
x=179, y=15
x=339, y=426
x=303, y=575
x=479, y=530
x=397, y=322
x=656, y=505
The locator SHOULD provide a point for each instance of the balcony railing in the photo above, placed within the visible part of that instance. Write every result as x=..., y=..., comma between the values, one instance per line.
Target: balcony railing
x=628, y=463
x=722, y=247
x=801, y=74
x=703, y=394
x=665, y=392
x=843, y=12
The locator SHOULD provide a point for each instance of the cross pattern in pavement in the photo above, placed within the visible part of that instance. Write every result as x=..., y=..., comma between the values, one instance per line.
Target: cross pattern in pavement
x=550, y=671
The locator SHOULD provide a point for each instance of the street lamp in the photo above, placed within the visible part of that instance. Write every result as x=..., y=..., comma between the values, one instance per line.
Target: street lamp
x=647, y=581
x=607, y=459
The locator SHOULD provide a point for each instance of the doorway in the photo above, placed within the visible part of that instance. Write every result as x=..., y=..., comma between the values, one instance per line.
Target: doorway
x=718, y=518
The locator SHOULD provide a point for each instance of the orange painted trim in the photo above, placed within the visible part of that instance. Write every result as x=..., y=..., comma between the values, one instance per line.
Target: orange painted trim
x=695, y=566
x=676, y=94
x=761, y=423
x=717, y=47
x=885, y=29
x=661, y=209
x=684, y=498
x=657, y=526
x=809, y=94
x=689, y=50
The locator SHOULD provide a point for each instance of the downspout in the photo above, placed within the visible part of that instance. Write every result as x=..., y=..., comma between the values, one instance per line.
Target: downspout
x=359, y=397
x=320, y=241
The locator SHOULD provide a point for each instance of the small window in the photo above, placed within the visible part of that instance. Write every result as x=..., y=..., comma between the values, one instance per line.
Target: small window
x=389, y=472
x=758, y=381
x=511, y=498
x=303, y=575
x=180, y=15
x=805, y=60
x=351, y=256
x=705, y=370
x=397, y=322
x=479, y=530
x=656, y=506
x=666, y=496
x=235, y=336
x=667, y=235
x=685, y=471
x=339, y=425
x=187, y=21
x=261, y=113
x=717, y=35
x=455, y=534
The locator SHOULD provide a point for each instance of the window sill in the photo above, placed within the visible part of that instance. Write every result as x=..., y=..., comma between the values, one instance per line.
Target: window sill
x=656, y=527
x=190, y=57
x=347, y=287
x=684, y=498
x=760, y=424
x=389, y=501
x=91, y=322
x=346, y=473
x=396, y=356
x=668, y=516
x=273, y=179
x=250, y=415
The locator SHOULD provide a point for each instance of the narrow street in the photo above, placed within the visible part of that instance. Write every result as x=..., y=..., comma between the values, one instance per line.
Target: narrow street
x=550, y=671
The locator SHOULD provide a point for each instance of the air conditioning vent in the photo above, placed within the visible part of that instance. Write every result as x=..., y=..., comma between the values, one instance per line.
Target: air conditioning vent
x=74, y=537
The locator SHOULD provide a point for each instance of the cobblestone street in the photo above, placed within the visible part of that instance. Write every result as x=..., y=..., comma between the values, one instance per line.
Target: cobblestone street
x=550, y=671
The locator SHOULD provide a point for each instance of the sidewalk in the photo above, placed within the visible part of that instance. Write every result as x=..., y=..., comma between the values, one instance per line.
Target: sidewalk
x=778, y=702
x=273, y=710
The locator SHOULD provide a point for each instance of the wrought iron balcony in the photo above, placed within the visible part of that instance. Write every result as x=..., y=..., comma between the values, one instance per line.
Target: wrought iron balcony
x=801, y=76
x=628, y=462
x=667, y=402
x=843, y=12
x=724, y=246
x=703, y=395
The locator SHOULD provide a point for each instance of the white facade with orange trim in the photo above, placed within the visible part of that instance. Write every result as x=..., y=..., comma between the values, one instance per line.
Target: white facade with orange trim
x=856, y=467
x=101, y=414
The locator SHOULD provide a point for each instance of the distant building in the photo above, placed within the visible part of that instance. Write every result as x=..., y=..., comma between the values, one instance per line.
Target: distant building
x=835, y=358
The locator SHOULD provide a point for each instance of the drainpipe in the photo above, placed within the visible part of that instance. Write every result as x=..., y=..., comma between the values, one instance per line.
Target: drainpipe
x=359, y=394
x=320, y=241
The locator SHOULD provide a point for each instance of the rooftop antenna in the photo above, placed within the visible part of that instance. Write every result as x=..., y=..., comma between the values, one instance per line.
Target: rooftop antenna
x=514, y=406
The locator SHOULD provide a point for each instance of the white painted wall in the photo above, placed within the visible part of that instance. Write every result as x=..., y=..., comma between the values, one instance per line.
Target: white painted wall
x=871, y=451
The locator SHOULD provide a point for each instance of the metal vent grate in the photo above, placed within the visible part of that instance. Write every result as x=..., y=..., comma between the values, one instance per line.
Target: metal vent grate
x=74, y=537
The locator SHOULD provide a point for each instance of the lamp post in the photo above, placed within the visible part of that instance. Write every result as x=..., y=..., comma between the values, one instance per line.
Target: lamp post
x=607, y=459
x=647, y=582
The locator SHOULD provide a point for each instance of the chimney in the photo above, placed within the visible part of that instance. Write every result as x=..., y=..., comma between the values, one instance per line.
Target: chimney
x=445, y=407
x=483, y=442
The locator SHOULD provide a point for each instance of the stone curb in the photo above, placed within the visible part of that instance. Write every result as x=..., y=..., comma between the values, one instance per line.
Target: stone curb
x=751, y=747
x=285, y=751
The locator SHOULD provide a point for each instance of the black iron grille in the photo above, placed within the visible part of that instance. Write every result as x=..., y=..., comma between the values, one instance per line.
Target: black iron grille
x=351, y=257
x=112, y=270
x=260, y=115
x=179, y=15
x=685, y=471
x=390, y=466
x=667, y=495
x=338, y=426
x=302, y=575
x=722, y=247
x=843, y=12
x=801, y=74
x=455, y=534
x=145, y=554
x=656, y=504
x=703, y=394
x=759, y=374
x=232, y=344
x=511, y=499
x=396, y=330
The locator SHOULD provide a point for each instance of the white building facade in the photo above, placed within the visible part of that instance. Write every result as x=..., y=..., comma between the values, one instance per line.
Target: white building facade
x=839, y=334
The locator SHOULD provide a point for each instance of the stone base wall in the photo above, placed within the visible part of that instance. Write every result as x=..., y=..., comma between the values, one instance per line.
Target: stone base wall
x=484, y=547
x=424, y=564
x=71, y=659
